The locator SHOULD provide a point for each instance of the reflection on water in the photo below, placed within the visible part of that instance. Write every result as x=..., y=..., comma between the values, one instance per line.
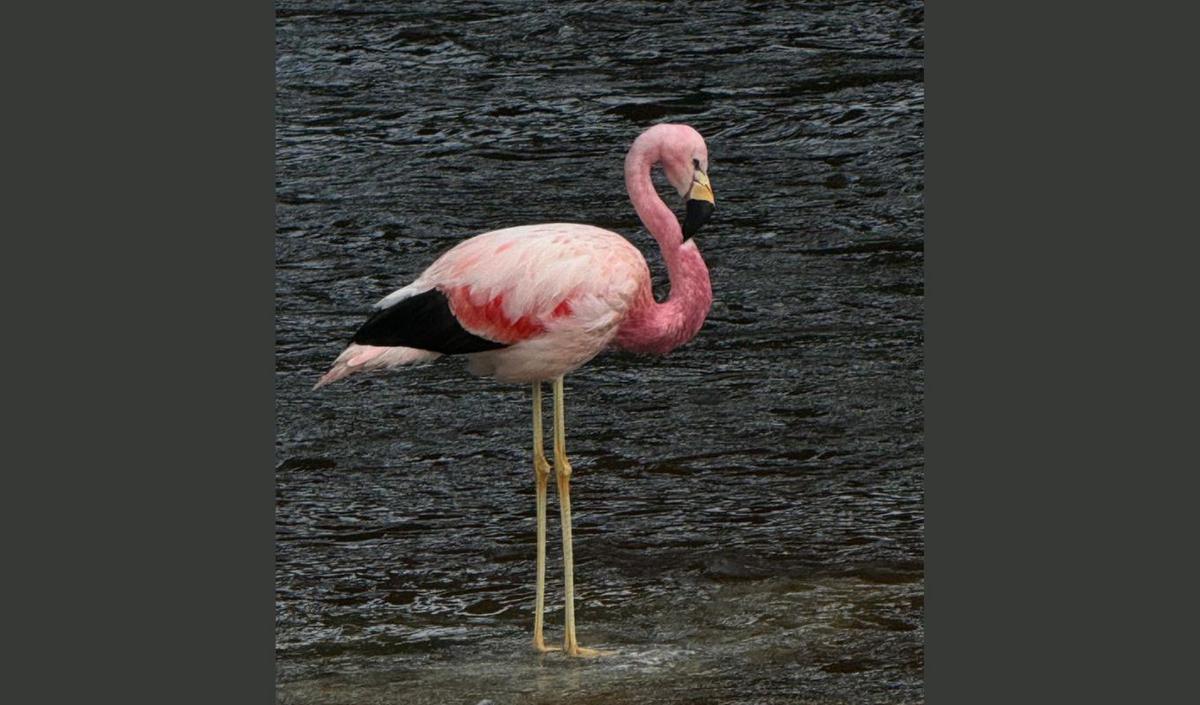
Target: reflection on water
x=749, y=522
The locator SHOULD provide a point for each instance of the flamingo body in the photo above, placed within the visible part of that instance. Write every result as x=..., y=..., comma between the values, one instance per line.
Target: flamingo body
x=552, y=295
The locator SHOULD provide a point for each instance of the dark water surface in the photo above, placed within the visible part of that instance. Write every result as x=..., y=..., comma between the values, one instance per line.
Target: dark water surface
x=749, y=522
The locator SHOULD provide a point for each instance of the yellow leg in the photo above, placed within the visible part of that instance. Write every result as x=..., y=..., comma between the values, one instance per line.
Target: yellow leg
x=562, y=471
x=541, y=473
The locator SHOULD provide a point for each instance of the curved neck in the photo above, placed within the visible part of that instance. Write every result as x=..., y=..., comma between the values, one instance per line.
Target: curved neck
x=655, y=327
x=655, y=215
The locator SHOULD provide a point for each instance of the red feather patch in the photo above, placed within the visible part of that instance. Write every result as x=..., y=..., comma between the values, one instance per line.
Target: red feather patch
x=490, y=321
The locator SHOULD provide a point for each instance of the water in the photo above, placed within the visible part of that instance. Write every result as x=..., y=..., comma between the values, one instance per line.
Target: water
x=748, y=509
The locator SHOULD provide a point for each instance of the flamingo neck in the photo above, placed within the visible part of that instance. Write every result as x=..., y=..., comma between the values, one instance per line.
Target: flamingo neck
x=660, y=327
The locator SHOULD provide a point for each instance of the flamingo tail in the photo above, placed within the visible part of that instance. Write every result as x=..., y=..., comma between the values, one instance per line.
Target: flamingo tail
x=361, y=358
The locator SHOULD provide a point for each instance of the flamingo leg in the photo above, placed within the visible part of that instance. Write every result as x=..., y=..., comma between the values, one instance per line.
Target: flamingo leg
x=541, y=473
x=562, y=471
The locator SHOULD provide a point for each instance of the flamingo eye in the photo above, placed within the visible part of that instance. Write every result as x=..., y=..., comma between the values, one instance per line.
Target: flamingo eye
x=696, y=163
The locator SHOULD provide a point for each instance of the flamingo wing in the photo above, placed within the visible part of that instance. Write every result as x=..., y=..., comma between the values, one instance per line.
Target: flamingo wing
x=424, y=321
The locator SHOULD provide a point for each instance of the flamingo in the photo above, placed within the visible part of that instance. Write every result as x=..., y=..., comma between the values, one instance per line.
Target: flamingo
x=533, y=303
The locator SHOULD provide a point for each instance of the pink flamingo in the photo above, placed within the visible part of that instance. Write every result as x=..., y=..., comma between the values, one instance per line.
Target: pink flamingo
x=530, y=304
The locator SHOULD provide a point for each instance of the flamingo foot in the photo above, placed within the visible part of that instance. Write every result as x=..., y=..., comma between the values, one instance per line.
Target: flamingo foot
x=584, y=652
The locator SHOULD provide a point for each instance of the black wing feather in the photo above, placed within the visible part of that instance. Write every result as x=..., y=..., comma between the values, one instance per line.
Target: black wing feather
x=423, y=321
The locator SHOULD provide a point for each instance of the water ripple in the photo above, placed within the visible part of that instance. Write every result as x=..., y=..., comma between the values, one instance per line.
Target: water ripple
x=749, y=509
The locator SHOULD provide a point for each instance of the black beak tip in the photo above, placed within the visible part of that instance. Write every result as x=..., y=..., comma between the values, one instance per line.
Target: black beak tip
x=698, y=213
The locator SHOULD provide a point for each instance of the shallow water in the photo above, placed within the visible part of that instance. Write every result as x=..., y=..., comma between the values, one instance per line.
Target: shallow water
x=748, y=510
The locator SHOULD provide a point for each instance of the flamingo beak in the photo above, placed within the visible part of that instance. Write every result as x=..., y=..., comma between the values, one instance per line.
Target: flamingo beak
x=700, y=204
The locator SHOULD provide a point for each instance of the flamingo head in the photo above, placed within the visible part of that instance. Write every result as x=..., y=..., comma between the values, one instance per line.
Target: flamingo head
x=684, y=158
